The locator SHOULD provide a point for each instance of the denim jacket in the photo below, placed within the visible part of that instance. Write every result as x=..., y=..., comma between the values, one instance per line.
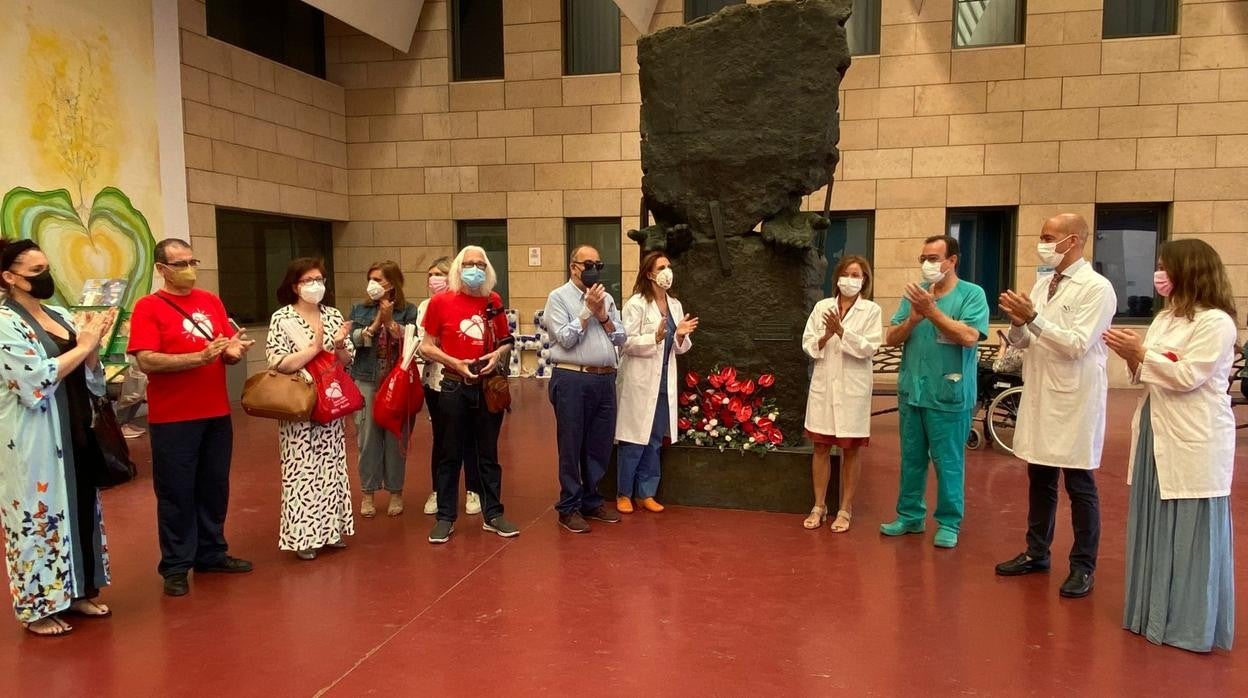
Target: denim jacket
x=367, y=368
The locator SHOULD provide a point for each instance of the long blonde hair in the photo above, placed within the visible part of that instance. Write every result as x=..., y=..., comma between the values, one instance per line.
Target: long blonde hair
x=1199, y=278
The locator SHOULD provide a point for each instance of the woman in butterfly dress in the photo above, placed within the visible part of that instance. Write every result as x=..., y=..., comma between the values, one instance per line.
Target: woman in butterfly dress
x=49, y=505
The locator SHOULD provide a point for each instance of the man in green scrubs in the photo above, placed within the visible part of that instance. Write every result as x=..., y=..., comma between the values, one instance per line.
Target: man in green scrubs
x=940, y=323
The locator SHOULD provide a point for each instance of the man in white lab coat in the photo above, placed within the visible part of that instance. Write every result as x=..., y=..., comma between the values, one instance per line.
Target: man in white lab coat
x=1061, y=418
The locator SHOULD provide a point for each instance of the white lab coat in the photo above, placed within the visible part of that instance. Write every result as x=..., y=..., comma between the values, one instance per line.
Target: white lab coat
x=839, y=403
x=641, y=364
x=1190, y=410
x=1061, y=416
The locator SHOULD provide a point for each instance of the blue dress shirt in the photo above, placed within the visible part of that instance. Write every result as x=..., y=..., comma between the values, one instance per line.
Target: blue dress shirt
x=591, y=346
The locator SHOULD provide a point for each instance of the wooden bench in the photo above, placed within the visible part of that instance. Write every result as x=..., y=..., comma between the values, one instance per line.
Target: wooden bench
x=887, y=362
x=1235, y=389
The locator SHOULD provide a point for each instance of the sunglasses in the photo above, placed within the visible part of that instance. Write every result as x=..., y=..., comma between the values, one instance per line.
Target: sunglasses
x=591, y=264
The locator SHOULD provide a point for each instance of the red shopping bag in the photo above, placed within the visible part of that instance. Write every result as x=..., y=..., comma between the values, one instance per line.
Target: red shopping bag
x=399, y=398
x=336, y=394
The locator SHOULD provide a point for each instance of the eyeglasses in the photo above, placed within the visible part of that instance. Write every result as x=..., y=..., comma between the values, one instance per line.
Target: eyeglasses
x=182, y=264
x=593, y=264
x=479, y=265
x=313, y=280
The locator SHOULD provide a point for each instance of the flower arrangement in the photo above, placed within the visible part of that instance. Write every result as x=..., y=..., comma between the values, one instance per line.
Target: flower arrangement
x=729, y=411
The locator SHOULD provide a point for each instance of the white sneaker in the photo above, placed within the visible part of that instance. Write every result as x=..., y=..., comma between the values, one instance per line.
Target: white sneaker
x=431, y=504
x=472, y=504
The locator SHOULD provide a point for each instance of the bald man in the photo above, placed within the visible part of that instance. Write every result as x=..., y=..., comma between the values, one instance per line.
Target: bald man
x=1061, y=416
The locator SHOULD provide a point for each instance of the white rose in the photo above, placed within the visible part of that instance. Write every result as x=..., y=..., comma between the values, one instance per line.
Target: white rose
x=693, y=410
x=772, y=416
x=714, y=422
x=728, y=438
x=715, y=433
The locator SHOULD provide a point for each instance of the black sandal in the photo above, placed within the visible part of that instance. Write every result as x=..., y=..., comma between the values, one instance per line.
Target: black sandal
x=104, y=611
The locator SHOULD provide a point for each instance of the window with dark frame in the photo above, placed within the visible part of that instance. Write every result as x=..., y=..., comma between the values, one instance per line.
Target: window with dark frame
x=287, y=31
x=1126, y=18
x=849, y=233
x=988, y=22
x=986, y=248
x=603, y=234
x=863, y=28
x=701, y=8
x=591, y=37
x=259, y=247
x=477, y=39
x=490, y=236
x=1125, y=244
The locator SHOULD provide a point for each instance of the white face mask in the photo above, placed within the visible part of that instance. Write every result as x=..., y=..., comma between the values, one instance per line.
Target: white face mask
x=1049, y=254
x=664, y=278
x=313, y=292
x=849, y=285
x=932, y=272
x=375, y=290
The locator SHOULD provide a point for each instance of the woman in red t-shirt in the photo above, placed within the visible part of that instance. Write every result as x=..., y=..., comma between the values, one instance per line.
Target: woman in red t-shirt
x=466, y=331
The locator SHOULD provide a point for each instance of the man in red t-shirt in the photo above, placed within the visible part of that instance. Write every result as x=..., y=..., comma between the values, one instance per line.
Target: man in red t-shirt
x=182, y=339
x=466, y=331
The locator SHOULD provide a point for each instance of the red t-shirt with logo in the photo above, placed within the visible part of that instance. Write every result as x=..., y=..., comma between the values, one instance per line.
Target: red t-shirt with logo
x=196, y=393
x=457, y=321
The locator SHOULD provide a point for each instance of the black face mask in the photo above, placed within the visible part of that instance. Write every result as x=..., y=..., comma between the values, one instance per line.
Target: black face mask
x=590, y=276
x=41, y=285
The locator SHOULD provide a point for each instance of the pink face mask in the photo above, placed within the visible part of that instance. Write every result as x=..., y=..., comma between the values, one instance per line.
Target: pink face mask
x=437, y=284
x=1163, y=284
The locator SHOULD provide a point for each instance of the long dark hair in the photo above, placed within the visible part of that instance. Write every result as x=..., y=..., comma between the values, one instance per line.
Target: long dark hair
x=391, y=272
x=286, y=294
x=1199, y=278
x=642, y=284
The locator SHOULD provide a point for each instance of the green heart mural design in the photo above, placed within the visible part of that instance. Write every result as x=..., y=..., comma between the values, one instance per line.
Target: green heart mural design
x=115, y=242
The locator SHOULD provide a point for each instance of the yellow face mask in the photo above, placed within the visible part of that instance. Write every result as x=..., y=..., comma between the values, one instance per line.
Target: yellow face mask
x=181, y=278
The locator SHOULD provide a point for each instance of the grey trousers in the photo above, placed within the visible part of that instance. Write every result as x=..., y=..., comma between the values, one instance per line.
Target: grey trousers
x=382, y=465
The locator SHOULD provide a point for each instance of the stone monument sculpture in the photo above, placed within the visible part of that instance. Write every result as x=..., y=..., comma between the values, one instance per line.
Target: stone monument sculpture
x=738, y=124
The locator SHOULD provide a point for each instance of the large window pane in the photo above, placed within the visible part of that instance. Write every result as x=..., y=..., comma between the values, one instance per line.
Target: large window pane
x=477, y=39
x=604, y=235
x=1125, y=252
x=287, y=31
x=988, y=22
x=591, y=37
x=849, y=233
x=1123, y=18
x=700, y=8
x=492, y=237
x=863, y=28
x=254, y=250
x=986, y=241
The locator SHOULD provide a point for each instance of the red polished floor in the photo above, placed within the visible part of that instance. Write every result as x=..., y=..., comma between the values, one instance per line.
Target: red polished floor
x=689, y=602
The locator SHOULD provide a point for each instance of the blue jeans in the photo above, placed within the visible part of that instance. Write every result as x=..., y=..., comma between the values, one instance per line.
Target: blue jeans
x=585, y=427
x=639, y=463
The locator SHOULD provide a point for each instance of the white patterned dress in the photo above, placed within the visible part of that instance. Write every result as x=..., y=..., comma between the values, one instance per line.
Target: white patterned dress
x=316, y=494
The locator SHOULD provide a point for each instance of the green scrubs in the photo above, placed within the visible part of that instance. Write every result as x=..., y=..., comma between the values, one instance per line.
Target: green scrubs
x=936, y=391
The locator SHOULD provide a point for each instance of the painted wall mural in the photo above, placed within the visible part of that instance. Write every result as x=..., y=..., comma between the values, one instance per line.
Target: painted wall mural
x=79, y=148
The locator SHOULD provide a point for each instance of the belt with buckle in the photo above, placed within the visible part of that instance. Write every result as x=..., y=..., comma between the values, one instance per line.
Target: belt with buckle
x=449, y=375
x=586, y=369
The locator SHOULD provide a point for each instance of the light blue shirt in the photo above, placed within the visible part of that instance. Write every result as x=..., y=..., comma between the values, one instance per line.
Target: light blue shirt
x=591, y=346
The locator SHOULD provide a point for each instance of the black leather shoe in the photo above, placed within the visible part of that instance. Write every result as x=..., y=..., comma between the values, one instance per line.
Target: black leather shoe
x=228, y=565
x=1023, y=564
x=175, y=585
x=1077, y=585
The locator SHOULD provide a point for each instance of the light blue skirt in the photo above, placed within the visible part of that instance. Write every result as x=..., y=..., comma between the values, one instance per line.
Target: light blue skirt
x=1180, y=586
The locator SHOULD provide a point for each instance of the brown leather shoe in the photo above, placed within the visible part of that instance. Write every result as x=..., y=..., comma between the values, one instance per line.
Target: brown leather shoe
x=650, y=505
x=624, y=505
x=602, y=514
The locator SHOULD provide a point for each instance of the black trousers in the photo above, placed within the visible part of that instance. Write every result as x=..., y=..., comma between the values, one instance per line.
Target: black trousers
x=438, y=425
x=191, y=474
x=1085, y=513
x=465, y=417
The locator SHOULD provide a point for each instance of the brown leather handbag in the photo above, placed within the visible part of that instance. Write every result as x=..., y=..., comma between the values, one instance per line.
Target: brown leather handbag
x=289, y=397
x=494, y=387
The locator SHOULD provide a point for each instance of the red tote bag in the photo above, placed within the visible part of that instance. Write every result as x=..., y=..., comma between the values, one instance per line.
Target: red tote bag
x=400, y=397
x=336, y=394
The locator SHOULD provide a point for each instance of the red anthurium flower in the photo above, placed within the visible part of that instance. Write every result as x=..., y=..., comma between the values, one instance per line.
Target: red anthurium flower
x=748, y=427
x=684, y=423
x=734, y=387
x=765, y=423
x=766, y=380
x=777, y=438
x=691, y=379
x=747, y=388
x=686, y=398
x=716, y=380
x=745, y=414
x=729, y=374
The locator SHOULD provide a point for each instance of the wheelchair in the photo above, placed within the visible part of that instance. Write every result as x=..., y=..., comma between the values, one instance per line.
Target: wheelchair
x=1000, y=389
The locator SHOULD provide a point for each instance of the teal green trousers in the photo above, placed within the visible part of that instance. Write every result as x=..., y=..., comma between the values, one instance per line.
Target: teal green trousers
x=938, y=437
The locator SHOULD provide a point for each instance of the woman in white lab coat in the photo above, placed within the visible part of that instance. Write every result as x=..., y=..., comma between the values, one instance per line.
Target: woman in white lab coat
x=657, y=331
x=1180, y=584
x=841, y=335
